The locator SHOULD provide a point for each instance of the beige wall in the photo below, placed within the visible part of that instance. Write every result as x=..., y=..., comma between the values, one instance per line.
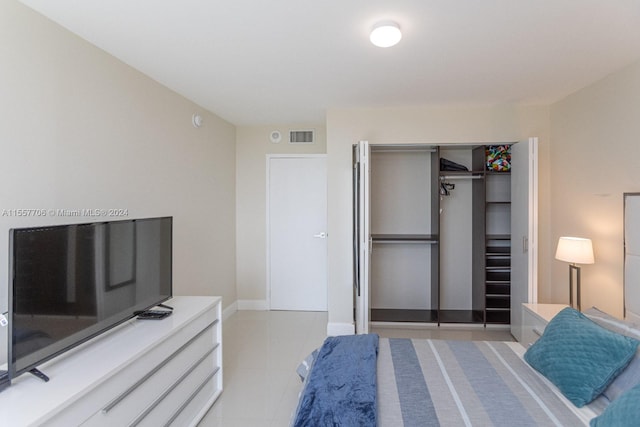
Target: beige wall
x=252, y=147
x=81, y=129
x=596, y=158
x=419, y=124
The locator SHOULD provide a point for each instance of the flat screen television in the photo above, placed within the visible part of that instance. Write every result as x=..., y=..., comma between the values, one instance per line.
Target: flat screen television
x=69, y=283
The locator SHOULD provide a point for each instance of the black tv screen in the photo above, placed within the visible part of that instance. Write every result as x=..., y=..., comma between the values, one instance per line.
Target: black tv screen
x=69, y=283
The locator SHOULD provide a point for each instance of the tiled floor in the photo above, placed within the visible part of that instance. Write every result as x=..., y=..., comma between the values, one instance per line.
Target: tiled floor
x=261, y=350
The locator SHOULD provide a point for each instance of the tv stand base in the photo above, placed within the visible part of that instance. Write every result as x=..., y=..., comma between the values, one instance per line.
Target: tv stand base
x=38, y=373
x=4, y=380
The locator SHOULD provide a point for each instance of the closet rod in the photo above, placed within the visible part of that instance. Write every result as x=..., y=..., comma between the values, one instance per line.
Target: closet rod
x=402, y=147
x=427, y=242
x=448, y=177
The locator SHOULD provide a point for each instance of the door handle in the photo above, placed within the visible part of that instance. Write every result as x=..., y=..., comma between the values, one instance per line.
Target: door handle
x=322, y=235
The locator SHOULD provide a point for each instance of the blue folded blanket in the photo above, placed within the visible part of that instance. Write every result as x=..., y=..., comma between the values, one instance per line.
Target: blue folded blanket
x=341, y=388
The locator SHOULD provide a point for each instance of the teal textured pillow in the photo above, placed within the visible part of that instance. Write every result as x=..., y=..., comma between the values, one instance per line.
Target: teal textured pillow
x=630, y=376
x=580, y=357
x=623, y=412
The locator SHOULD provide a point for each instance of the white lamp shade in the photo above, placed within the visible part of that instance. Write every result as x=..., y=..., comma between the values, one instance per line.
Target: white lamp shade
x=385, y=34
x=575, y=250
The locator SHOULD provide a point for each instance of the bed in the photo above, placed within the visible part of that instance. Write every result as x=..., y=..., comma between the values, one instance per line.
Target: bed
x=584, y=370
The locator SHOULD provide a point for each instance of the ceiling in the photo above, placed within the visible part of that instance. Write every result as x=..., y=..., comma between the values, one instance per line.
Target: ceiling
x=256, y=62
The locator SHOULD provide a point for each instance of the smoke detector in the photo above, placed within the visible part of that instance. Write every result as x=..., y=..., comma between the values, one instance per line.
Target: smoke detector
x=196, y=120
x=275, y=136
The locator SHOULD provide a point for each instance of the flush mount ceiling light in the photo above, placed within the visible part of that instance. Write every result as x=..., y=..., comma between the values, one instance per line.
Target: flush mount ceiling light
x=385, y=34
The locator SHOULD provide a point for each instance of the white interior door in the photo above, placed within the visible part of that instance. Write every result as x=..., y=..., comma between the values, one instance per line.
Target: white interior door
x=297, y=233
x=524, y=229
x=362, y=222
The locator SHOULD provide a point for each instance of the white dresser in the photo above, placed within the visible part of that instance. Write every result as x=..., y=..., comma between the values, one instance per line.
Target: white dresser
x=535, y=318
x=144, y=372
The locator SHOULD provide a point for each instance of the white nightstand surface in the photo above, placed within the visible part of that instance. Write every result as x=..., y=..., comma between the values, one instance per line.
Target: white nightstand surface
x=535, y=318
x=546, y=312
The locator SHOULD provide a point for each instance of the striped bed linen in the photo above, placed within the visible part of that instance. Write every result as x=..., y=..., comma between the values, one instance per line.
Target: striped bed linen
x=467, y=383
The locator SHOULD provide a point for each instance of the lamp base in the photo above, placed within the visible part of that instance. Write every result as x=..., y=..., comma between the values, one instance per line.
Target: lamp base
x=574, y=268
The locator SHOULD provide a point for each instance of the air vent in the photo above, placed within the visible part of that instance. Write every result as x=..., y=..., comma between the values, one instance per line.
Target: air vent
x=301, y=137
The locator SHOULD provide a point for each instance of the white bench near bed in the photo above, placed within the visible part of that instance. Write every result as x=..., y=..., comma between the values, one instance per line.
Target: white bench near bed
x=583, y=370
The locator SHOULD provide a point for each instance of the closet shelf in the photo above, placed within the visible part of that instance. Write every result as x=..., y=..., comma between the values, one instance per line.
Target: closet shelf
x=498, y=237
x=450, y=175
x=408, y=238
x=496, y=259
x=499, y=251
x=462, y=173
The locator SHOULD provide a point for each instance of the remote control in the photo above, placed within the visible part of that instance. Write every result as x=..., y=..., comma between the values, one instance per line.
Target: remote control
x=154, y=314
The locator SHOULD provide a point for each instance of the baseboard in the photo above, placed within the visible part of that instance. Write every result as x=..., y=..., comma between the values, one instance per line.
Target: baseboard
x=253, y=304
x=232, y=308
x=334, y=329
